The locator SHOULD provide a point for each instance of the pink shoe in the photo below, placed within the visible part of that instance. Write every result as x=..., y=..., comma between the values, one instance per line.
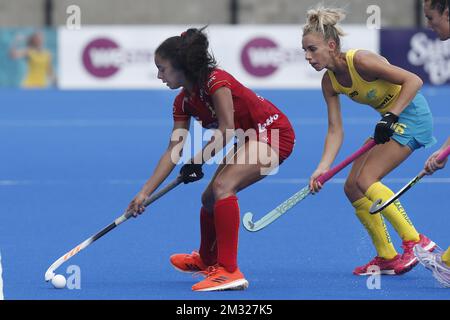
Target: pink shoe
x=394, y=266
x=408, y=246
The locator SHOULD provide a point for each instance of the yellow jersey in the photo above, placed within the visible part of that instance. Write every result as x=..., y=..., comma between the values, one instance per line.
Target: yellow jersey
x=38, y=68
x=378, y=94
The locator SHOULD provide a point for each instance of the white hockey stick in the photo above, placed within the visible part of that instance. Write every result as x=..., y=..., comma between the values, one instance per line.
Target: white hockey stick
x=50, y=273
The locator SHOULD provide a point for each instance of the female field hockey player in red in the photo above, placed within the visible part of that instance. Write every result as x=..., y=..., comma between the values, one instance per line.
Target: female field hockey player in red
x=405, y=125
x=437, y=14
x=216, y=99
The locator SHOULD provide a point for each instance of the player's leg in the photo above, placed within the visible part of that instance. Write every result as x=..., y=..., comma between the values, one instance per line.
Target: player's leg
x=245, y=170
x=379, y=163
x=443, y=274
x=413, y=131
x=374, y=225
x=207, y=253
x=208, y=243
x=446, y=257
x=232, y=179
x=384, y=159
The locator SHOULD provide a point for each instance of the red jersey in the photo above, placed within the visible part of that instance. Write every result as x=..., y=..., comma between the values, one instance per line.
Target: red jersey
x=250, y=110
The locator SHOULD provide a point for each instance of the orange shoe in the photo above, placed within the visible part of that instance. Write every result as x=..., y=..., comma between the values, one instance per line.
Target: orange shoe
x=188, y=262
x=218, y=279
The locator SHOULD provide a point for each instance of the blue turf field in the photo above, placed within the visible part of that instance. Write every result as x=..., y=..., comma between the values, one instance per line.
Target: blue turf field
x=71, y=161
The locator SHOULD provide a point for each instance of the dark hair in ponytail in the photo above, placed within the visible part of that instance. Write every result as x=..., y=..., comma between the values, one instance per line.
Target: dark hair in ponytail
x=189, y=53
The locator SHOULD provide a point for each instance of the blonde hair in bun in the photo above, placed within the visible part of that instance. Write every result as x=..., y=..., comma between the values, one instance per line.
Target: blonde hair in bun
x=324, y=21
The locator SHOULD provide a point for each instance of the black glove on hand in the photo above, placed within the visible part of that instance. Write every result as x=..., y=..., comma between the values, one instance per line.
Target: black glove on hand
x=191, y=172
x=385, y=128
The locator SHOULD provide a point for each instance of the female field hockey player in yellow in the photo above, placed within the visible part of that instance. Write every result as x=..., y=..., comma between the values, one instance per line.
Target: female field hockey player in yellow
x=39, y=60
x=437, y=14
x=406, y=125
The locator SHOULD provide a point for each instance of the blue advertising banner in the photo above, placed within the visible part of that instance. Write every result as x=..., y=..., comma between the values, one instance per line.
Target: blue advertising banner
x=28, y=57
x=419, y=51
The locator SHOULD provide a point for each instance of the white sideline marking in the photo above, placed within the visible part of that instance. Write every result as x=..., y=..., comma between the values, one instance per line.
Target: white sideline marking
x=164, y=122
x=342, y=180
x=287, y=181
x=1, y=279
x=82, y=123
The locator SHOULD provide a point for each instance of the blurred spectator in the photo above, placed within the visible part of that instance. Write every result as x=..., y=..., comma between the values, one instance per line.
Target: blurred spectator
x=39, y=60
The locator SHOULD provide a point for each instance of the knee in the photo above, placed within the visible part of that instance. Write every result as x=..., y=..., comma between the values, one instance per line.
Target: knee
x=221, y=189
x=351, y=187
x=365, y=180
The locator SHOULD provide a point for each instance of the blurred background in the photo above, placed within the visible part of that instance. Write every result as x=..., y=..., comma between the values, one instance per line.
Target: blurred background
x=255, y=35
x=38, y=13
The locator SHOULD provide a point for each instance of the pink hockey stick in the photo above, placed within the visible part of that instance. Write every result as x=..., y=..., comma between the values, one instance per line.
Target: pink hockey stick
x=300, y=195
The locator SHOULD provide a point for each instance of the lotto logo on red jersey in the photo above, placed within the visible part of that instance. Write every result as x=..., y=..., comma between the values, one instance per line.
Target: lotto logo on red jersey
x=263, y=126
x=211, y=79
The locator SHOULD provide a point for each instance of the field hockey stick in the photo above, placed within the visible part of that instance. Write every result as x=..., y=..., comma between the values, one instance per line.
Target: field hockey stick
x=125, y=216
x=378, y=206
x=300, y=195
